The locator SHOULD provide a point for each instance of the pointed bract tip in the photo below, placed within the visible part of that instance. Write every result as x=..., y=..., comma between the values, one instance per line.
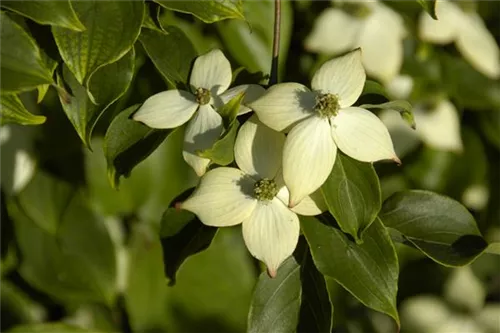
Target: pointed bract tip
x=271, y=272
x=397, y=160
x=178, y=206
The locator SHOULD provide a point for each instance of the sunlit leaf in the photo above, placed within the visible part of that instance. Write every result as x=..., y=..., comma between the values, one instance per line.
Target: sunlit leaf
x=14, y=111
x=209, y=11
x=403, y=107
x=429, y=6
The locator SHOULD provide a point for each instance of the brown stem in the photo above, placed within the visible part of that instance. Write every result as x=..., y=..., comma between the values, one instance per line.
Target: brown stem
x=276, y=43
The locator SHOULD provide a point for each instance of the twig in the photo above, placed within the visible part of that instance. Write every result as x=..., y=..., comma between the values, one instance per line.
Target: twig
x=276, y=43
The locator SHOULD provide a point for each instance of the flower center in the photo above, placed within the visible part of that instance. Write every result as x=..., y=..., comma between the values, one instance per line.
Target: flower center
x=265, y=189
x=356, y=8
x=202, y=96
x=327, y=105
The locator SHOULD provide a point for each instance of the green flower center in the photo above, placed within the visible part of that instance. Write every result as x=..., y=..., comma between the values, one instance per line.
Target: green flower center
x=327, y=105
x=202, y=96
x=265, y=189
x=356, y=9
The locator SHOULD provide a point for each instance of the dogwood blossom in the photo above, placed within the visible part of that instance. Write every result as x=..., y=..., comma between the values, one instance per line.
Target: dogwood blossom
x=254, y=195
x=210, y=78
x=322, y=120
x=467, y=30
x=371, y=25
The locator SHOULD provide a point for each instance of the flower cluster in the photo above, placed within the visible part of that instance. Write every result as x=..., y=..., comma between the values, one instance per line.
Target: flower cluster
x=276, y=175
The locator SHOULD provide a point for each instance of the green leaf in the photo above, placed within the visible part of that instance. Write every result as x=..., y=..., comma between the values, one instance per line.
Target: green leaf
x=369, y=271
x=14, y=111
x=176, y=66
x=18, y=307
x=75, y=264
x=250, y=43
x=316, y=310
x=21, y=64
x=440, y=227
x=127, y=143
x=493, y=248
x=222, y=152
x=145, y=295
x=194, y=237
x=57, y=13
x=48, y=328
x=152, y=22
x=106, y=86
x=229, y=111
x=373, y=87
x=276, y=301
x=208, y=11
x=111, y=30
x=173, y=220
x=489, y=123
x=403, y=107
x=352, y=194
x=429, y=6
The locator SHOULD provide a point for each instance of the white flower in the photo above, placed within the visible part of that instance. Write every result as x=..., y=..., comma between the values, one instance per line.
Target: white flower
x=323, y=119
x=467, y=30
x=209, y=80
x=374, y=27
x=438, y=126
x=254, y=196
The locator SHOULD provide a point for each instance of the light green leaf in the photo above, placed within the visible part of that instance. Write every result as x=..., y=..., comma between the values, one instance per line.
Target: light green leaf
x=440, y=227
x=171, y=52
x=21, y=64
x=111, y=30
x=145, y=295
x=48, y=328
x=152, y=22
x=222, y=152
x=373, y=87
x=52, y=65
x=403, y=107
x=209, y=11
x=352, y=194
x=276, y=301
x=127, y=143
x=229, y=111
x=58, y=13
x=14, y=111
x=17, y=304
x=493, y=248
x=429, y=6
x=250, y=43
x=369, y=271
x=77, y=263
x=106, y=86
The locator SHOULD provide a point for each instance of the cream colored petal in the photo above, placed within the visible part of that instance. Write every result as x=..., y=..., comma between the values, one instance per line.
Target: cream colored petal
x=258, y=149
x=308, y=158
x=201, y=133
x=362, y=135
x=343, y=76
x=271, y=233
x=284, y=104
x=478, y=46
x=168, y=109
x=311, y=205
x=211, y=71
x=252, y=92
x=400, y=87
x=389, y=18
x=223, y=198
x=444, y=29
x=439, y=127
x=333, y=32
x=382, y=49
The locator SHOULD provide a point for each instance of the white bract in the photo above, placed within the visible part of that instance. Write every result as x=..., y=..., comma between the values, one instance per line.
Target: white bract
x=467, y=30
x=322, y=120
x=255, y=196
x=210, y=77
x=375, y=28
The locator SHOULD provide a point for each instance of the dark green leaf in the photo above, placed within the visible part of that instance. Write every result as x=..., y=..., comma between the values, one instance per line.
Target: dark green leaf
x=111, y=30
x=250, y=43
x=429, y=6
x=173, y=220
x=77, y=263
x=191, y=239
x=316, y=311
x=21, y=64
x=352, y=194
x=52, y=65
x=107, y=85
x=151, y=21
x=276, y=301
x=48, y=328
x=171, y=52
x=209, y=11
x=372, y=87
x=490, y=126
x=58, y=13
x=222, y=152
x=145, y=295
x=369, y=271
x=127, y=143
x=14, y=111
x=440, y=227
x=403, y=107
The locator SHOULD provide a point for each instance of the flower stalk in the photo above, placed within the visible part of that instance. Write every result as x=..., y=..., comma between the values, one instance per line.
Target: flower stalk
x=273, y=79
